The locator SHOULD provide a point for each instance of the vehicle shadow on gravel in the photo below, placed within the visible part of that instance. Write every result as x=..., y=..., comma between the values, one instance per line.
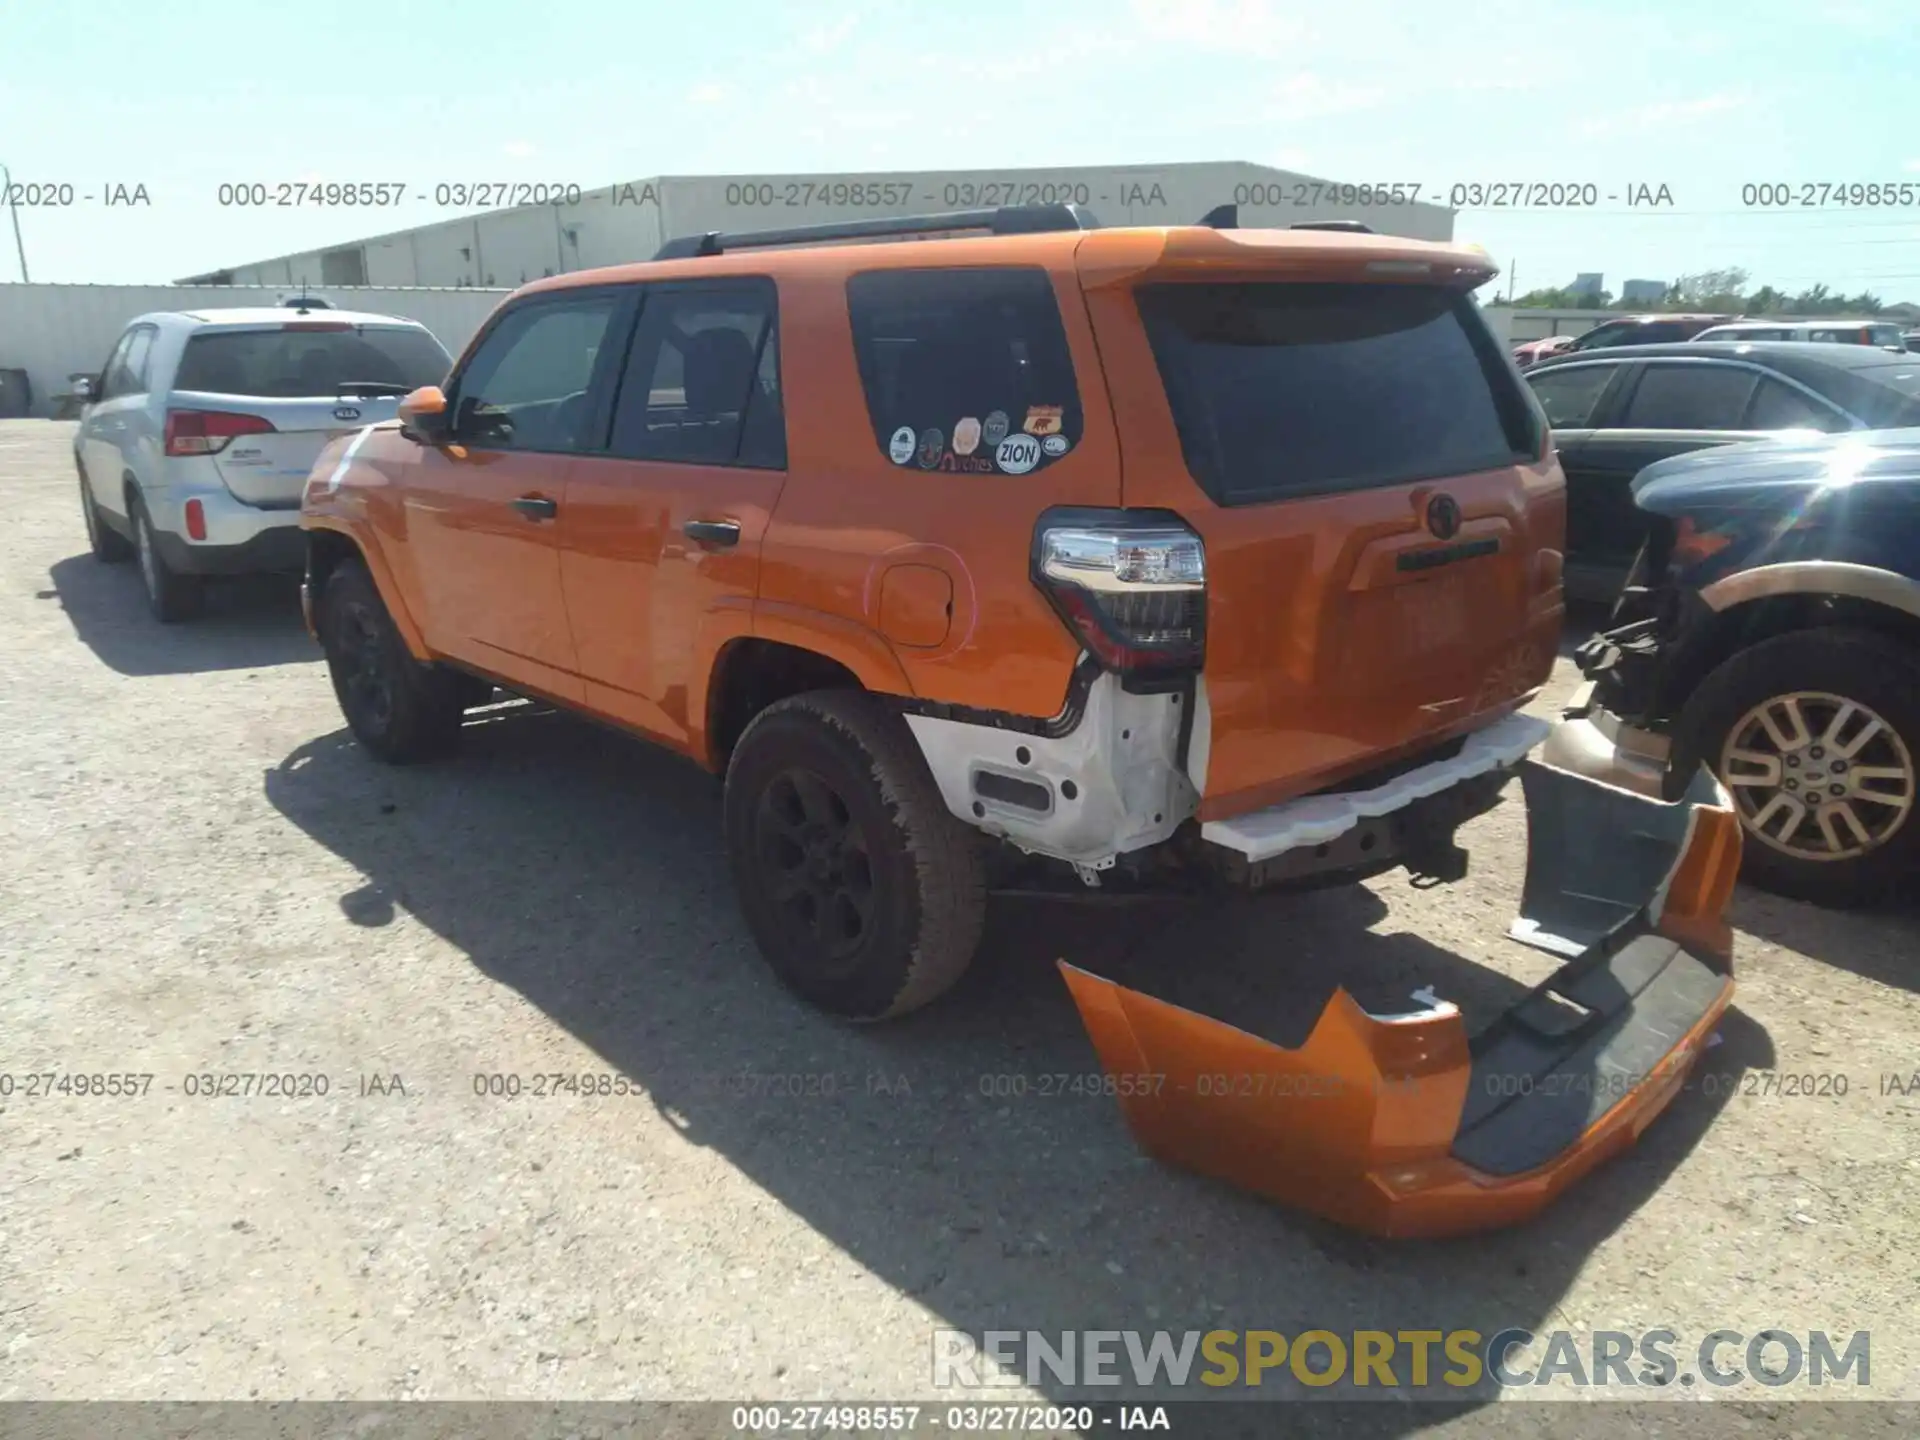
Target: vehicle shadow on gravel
x=1880, y=942
x=251, y=622
x=586, y=871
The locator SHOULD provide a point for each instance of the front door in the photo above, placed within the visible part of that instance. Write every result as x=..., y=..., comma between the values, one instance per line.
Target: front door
x=665, y=528
x=484, y=510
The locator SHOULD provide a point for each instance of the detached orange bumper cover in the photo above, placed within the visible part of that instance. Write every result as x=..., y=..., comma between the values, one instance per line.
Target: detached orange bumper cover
x=1405, y=1125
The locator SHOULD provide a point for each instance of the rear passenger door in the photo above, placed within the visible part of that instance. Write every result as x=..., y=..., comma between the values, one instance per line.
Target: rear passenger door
x=664, y=525
x=115, y=437
x=1667, y=407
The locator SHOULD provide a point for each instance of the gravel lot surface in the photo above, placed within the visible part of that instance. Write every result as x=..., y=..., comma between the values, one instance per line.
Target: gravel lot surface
x=206, y=876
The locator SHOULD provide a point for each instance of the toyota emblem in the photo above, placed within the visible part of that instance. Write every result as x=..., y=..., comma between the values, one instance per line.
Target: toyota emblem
x=1443, y=517
x=347, y=412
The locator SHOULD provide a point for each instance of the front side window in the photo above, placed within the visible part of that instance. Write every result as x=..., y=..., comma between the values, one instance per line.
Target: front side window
x=1282, y=389
x=1692, y=395
x=528, y=386
x=701, y=384
x=965, y=370
x=1570, y=395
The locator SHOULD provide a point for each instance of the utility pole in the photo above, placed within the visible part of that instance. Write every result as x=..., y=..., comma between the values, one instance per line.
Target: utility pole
x=13, y=204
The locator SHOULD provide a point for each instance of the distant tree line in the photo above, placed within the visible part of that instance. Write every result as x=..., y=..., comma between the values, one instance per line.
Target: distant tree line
x=1714, y=292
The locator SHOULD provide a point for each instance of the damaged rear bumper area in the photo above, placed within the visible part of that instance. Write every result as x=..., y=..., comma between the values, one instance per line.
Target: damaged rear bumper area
x=1405, y=1125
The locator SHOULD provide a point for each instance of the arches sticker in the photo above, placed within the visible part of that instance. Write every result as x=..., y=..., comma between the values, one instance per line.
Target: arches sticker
x=900, y=447
x=1054, y=444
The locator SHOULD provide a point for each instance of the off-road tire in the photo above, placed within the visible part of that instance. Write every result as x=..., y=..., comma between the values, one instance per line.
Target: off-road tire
x=399, y=709
x=171, y=596
x=927, y=893
x=108, y=545
x=1858, y=665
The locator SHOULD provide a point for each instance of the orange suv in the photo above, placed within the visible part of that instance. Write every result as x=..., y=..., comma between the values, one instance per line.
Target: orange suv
x=1017, y=545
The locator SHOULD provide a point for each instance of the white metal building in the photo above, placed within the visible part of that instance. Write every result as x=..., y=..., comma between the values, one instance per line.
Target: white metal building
x=622, y=223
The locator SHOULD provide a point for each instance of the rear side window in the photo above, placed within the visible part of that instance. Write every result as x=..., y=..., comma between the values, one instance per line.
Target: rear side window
x=1659, y=332
x=1281, y=390
x=1690, y=396
x=965, y=370
x=702, y=381
x=1781, y=407
x=1885, y=395
x=289, y=363
x=1613, y=332
x=1569, y=396
x=127, y=373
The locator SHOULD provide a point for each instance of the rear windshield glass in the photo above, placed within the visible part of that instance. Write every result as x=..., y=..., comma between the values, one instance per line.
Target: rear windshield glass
x=965, y=370
x=290, y=363
x=1283, y=389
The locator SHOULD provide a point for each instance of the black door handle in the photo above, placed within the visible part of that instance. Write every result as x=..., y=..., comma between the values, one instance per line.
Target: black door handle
x=712, y=532
x=535, y=507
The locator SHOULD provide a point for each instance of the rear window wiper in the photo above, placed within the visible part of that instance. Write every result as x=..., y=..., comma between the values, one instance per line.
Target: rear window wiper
x=372, y=387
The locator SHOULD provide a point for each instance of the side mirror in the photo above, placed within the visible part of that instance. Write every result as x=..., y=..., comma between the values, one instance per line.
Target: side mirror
x=86, y=389
x=424, y=417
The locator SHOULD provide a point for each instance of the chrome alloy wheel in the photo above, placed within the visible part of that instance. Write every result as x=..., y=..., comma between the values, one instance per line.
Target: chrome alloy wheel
x=1818, y=776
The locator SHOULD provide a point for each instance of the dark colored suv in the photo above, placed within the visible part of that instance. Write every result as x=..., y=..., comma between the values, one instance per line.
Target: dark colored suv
x=1773, y=632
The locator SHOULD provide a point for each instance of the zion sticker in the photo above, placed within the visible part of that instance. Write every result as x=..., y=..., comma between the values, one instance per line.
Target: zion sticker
x=1043, y=419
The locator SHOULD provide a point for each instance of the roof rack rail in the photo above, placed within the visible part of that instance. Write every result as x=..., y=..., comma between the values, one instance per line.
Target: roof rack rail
x=1001, y=220
x=1351, y=227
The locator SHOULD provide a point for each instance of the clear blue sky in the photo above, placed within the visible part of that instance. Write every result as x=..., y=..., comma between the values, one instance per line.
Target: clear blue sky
x=1699, y=97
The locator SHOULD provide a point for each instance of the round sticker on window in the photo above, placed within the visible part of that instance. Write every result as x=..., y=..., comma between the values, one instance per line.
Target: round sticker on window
x=1017, y=454
x=1054, y=444
x=966, y=436
x=994, y=429
x=900, y=447
x=932, y=445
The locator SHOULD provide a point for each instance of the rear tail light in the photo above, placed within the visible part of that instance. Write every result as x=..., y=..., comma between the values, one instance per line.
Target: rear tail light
x=196, y=520
x=208, y=432
x=1131, y=585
